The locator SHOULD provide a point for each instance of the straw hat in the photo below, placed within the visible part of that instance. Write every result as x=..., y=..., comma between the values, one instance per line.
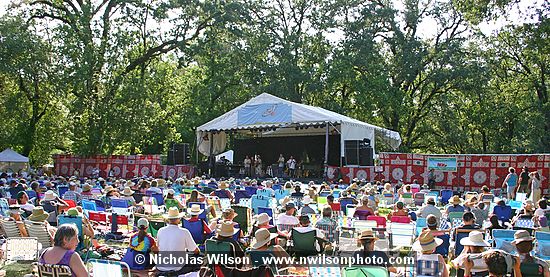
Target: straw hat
x=194, y=210
x=263, y=218
x=50, y=195
x=161, y=183
x=455, y=200
x=226, y=229
x=474, y=238
x=173, y=213
x=262, y=237
x=15, y=208
x=367, y=234
x=229, y=211
x=307, y=200
x=108, y=189
x=127, y=191
x=521, y=236
x=426, y=242
x=38, y=214
x=223, y=185
x=86, y=187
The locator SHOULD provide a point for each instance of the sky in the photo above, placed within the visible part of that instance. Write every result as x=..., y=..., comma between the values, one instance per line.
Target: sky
x=516, y=15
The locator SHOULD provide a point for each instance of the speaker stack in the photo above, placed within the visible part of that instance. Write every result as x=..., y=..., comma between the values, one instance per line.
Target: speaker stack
x=358, y=152
x=178, y=153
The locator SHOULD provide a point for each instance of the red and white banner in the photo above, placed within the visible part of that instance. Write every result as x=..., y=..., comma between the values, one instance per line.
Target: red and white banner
x=473, y=171
x=126, y=167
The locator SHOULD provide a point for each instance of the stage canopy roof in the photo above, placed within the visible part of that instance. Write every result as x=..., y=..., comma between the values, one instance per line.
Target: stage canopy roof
x=268, y=115
x=10, y=156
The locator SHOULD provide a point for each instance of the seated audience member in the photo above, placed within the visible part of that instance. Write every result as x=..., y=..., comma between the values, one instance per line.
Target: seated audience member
x=174, y=238
x=24, y=203
x=366, y=241
x=305, y=226
x=262, y=221
x=154, y=187
x=455, y=205
x=327, y=224
x=345, y=197
x=87, y=192
x=40, y=216
x=497, y=262
x=474, y=245
x=194, y=212
x=127, y=194
x=297, y=191
x=428, y=209
x=425, y=247
x=196, y=196
x=306, y=209
x=364, y=207
x=433, y=225
x=263, y=242
x=387, y=189
x=140, y=243
x=481, y=212
x=109, y=193
x=495, y=224
x=225, y=233
x=170, y=201
x=72, y=194
x=399, y=210
x=63, y=251
x=542, y=208
x=15, y=215
x=52, y=202
x=223, y=192
x=524, y=245
x=485, y=191
x=333, y=205
x=288, y=217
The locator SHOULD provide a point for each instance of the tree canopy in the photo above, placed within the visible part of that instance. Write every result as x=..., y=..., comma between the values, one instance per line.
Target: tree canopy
x=126, y=76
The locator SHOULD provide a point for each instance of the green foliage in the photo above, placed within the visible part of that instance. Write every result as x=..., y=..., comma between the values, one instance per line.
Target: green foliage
x=120, y=77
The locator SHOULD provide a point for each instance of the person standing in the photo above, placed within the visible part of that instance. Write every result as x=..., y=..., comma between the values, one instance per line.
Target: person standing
x=281, y=162
x=535, y=186
x=247, y=166
x=258, y=166
x=291, y=164
x=510, y=183
x=431, y=178
x=524, y=181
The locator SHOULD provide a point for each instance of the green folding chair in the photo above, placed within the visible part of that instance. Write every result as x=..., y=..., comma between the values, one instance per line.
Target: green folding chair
x=303, y=244
x=366, y=271
x=243, y=217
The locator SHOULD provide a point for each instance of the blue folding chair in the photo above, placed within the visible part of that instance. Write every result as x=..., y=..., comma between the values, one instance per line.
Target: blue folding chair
x=159, y=198
x=268, y=211
x=76, y=220
x=251, y=190
x=31, y=194
x=543, y=245
x=241, y=194
x=259, y=201
x=196, y=229
x=100, y=206
x=434, y=195
x=89, y=205
x=504, y=213
x=420, y=224
x=277, y=187
x=280, y=194
x=264, y=193
x=325, y=193
x=344, y=203
x=446, y=194
x=443, y=249
x=61, y=190
x=502, y=239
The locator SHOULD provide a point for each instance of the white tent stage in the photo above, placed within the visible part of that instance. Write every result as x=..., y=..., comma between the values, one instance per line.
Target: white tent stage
x=268, y=116
x=10, y=159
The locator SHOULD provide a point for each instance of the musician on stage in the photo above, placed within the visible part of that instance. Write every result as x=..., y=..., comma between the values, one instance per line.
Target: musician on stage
x=247, y=166
x=291, y=164
x=281, y=162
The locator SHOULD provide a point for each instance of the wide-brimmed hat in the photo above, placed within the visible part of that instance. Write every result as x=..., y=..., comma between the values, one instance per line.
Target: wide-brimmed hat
x=195, y=209
x=86, y=187
x=426, y=242
x=170, y=191
x=38, y=214
x=262, y=237
x=228, y=211
x=15, y=208
x=127, y=191
x=226, y=229
x=367, y=234
x=143, y=222
x=474, y=238
x=223, y=185
x=521, y=236
x=263, y=218
x=455, y=200
x=307, y=200
x=173, y=213
x=108, y=189
x=73, y=212
x=50, y=195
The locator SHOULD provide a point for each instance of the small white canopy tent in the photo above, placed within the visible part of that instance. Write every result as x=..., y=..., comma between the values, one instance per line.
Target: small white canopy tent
x=274, y=116
x=10, y=159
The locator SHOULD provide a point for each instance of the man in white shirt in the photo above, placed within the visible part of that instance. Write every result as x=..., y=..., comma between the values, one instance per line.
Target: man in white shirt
x=305, y=226
x=291, y=164
x=429, y=209
x=173, y=238
x=288, y=217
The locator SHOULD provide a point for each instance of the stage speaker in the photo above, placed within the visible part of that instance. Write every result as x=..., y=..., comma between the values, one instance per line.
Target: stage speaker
x=366, y=156
x=170, y=157
x=351, y=152
x=181, y=153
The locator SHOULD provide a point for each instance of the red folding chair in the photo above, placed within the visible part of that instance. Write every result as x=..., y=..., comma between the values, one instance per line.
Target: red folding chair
x=71, y=203
x=400, y=219
x=100, y=220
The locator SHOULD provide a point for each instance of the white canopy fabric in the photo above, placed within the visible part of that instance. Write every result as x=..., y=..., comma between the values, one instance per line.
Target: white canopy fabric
x=10, y=156
x=266, y=111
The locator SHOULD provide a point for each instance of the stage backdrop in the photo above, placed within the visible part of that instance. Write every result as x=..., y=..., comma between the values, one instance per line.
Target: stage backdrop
x=473, y=171
x=124, y=166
